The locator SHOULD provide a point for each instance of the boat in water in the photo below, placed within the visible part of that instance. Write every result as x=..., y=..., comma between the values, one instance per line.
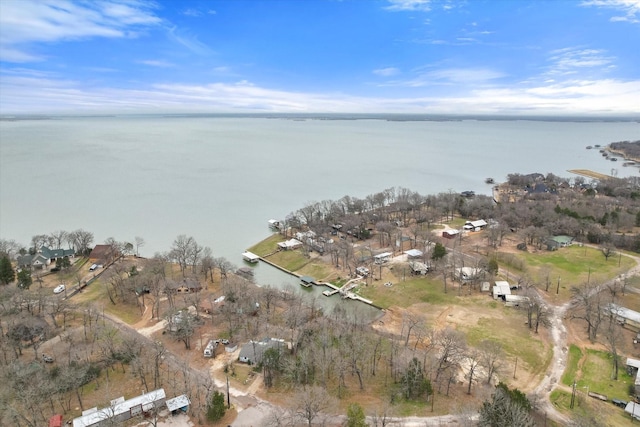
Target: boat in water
x=489, y=180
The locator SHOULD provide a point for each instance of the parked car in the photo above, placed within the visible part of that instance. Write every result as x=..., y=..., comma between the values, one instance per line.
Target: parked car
x=59, y=289
x=47, y=359
x=93, y=267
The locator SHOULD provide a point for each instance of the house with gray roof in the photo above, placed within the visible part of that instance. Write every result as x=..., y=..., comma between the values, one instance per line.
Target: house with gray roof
x=253, y=351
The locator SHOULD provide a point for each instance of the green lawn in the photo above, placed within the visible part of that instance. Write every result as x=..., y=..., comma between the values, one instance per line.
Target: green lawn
x=411, y=291
x=268, y=245
x=516, y=339
x=596, y=375
x=573, y=266
x=575, y=354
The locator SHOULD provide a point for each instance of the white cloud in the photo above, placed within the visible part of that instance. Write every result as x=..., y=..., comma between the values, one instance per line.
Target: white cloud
x=410, y=5
x=459, y=77
x=31, y=21
x=477, y=92
x=630, y=8
x=573, y=60
x=156, y=63
x=386, y=72
x=189, y=41
x=192, y=12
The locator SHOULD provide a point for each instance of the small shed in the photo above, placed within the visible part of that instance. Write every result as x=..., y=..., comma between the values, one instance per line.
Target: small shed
x=413, y=253
x=633, y=409
x=55, y=421
x=450, y=234
x=485, y=286
x=178, y=404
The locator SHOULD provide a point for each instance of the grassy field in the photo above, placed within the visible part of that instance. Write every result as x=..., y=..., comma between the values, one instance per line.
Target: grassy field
x=588, y=407
x=267, y=246
x=516, y=339
x=596, y=376
x=572, y=266
x=575, y=354
x=411, y=291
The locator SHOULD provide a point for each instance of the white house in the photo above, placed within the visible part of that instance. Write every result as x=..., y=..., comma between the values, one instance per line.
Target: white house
x=501, y=289
x=290, y=244
x=475, y=225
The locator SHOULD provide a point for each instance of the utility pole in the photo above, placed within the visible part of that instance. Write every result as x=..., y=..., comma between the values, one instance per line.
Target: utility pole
x=558, y=288
x=573, y=395
x=228, y=395
x=515, y=368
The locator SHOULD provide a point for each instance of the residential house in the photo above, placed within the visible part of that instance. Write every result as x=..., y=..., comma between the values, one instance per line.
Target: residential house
x=253, y=351
x=290, y=244
x=557, y=242
x=43, y=257
x=121, y=410
x=501, y=289
x=475, y=225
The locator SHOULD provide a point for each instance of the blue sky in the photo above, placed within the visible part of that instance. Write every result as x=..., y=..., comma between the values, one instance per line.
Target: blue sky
x=359, y=56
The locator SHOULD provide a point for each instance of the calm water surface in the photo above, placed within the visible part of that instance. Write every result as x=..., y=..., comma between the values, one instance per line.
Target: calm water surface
x=220, y=179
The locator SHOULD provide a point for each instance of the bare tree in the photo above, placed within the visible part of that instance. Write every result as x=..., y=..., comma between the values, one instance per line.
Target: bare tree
x=139, y=242
x=310, y=402
x=491, y=357
x=588, y=306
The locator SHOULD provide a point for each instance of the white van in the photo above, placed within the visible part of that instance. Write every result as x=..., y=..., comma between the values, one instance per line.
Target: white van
x=210, y=349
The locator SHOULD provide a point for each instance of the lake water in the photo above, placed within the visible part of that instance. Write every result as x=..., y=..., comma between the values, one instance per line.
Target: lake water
x=220, y=179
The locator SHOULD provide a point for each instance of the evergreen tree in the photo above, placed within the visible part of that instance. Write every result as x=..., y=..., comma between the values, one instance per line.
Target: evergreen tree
x=217, y=408
x=506, y=408
x=355, y=416
x=492, y=267
x=439, y=251
x=24, y=279
x=413, y=382
x=7, y=275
